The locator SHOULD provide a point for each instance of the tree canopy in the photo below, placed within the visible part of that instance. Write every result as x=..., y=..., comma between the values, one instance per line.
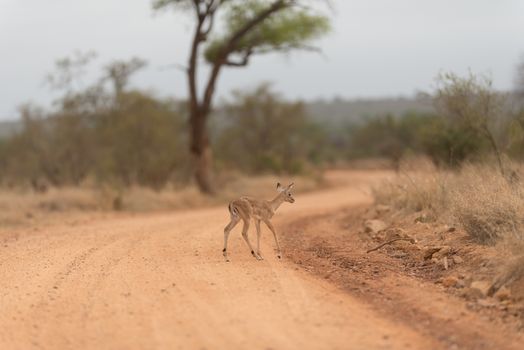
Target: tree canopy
x=292, y=28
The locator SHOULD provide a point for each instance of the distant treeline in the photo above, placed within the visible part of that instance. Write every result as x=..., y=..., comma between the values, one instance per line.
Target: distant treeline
x=472, y=123
x=122, y=137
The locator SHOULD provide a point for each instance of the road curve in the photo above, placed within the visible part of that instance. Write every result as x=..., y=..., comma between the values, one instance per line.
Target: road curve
x=159, y=281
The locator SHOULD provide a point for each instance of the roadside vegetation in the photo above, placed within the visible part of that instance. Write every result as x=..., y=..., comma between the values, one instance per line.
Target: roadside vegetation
x=476, y=177
x=466, y=192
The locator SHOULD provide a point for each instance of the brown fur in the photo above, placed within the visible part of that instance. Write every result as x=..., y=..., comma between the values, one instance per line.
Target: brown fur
x=246, y=208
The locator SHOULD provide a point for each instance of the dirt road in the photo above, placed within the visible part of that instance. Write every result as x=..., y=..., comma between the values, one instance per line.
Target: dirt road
x=160, y=282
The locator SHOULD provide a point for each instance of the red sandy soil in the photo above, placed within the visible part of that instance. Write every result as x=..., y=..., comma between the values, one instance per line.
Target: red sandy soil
x=159, y=281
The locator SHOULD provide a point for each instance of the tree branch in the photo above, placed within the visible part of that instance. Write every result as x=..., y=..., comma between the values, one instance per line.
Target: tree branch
x=243, y=62
x=286, y=48
x=199, y=36
x=211, y=8
x=221, y=59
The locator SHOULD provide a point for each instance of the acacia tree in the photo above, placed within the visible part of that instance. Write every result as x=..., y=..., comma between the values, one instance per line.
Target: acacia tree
x=474, y=103
x=250, y=27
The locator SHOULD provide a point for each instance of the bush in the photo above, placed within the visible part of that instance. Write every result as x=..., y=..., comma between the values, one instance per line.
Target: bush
x=470, y=103
x=137, y=139
x=449, y=145
x=379, y=137
x=488, y=206
x=268, y=134
x=142, y=142
x=446, y=143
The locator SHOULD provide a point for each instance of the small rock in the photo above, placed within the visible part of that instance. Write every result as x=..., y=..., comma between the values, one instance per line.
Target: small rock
x=457, y=259
x=450, y=281
x=480, y=288
x=428, y=252
x=442, y=252
x=375, y=226
x=503, y=294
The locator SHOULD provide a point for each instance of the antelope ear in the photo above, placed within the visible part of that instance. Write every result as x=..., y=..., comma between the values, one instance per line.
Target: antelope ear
x=291, y=185
x=279, y=187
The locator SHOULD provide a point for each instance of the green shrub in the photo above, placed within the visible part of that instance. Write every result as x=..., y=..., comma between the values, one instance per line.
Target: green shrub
x=450, y=145
x=268, y=134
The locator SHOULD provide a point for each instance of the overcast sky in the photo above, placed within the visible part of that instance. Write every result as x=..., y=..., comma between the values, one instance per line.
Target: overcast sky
x=377, y=47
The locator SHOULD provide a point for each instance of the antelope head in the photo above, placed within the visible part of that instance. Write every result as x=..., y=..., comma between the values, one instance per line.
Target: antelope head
x=286, y=192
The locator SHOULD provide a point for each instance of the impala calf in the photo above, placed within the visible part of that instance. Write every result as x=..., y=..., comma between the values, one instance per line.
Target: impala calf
x=246, y=208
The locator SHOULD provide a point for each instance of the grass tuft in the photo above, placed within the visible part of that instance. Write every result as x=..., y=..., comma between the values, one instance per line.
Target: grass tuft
x=487, y=205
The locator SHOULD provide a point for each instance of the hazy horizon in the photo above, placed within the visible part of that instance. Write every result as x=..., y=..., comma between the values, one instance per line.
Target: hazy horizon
x=377, y=48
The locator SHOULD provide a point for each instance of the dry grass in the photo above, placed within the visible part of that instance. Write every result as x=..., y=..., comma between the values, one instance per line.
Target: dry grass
x=21, y=206
x=416, y=188
x=487, y=205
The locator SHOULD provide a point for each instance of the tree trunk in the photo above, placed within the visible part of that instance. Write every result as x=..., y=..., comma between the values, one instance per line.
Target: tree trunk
x=203, y=170
x=201, y=151
x=199, y=110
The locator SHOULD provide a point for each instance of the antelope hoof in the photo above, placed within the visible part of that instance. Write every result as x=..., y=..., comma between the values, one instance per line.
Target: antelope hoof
x=256, y=255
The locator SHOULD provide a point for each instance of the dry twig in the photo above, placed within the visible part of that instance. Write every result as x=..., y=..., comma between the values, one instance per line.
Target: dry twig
x=411, y=240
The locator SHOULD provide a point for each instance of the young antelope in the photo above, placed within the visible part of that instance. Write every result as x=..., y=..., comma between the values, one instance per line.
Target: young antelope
x=246, y=208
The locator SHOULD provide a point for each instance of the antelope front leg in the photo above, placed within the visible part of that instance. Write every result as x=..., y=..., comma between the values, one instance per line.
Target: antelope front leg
x=257, y=224
x=279, y=252
x=227, y=230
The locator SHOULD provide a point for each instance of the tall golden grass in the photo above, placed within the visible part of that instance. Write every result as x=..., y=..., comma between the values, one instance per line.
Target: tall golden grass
x=488, y=205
